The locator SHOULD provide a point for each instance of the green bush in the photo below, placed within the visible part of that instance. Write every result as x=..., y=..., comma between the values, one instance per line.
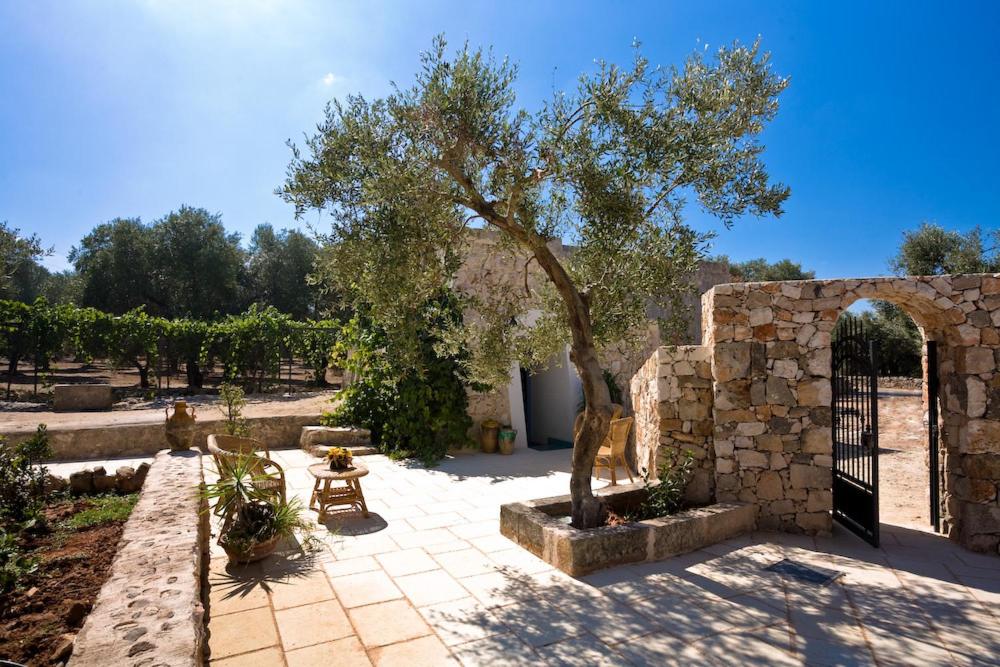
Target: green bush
x=412, y=411
x=14, y=565
x=667, y=496
x=22, y=477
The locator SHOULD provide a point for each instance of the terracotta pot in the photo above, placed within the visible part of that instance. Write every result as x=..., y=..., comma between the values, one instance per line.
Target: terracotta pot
x=488, y=437
x=180, y=426
x=507, y=437
x=259, y=551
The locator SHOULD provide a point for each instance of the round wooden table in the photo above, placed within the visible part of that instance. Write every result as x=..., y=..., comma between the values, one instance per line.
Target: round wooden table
x=325, y=496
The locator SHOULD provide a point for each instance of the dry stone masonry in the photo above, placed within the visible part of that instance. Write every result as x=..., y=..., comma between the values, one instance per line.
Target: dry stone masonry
x=149, y=612
x=769, y=348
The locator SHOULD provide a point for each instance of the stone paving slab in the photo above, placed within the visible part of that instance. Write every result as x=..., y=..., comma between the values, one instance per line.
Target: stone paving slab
x=437, y=592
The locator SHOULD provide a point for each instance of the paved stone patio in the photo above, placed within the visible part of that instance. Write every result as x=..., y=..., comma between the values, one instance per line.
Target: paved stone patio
x=428, y=580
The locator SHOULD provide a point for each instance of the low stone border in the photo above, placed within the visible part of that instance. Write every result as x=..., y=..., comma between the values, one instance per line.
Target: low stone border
x=107, y=442
x=537, y=526
x=318, y=439
x=149, y=611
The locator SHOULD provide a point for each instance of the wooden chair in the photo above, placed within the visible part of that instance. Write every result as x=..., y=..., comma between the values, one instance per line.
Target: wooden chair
x=268, y=475
x=616, y=413
x=612, y=452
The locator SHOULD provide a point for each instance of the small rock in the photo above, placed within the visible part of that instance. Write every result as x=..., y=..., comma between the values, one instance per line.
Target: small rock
x=30, y=593
x=123, y=478
x=140, y=647
x=103, y=483
x=55, y=483
x=81, y=482
x=75, y=613
x=62, y=648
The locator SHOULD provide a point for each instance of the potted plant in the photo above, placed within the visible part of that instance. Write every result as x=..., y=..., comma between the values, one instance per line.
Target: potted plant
x=339, y=458
x=255, y=518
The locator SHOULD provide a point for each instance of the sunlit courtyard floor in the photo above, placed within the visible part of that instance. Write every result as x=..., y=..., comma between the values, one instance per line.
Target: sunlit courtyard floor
x=428, y=580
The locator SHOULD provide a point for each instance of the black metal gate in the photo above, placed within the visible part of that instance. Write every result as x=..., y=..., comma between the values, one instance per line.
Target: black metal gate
x=932, y=434
x=855, y=430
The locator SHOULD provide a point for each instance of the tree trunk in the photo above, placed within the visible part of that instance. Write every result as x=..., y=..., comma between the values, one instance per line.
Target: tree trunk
x=588, y=511
x=195, y=378
x=143, y=376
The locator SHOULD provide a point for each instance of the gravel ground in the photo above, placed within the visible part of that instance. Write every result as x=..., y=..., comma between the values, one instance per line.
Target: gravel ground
x=903, y=476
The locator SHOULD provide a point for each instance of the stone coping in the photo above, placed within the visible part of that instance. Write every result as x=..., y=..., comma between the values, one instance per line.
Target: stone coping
x=106, y=442
x=150, y=611
x=540, y=527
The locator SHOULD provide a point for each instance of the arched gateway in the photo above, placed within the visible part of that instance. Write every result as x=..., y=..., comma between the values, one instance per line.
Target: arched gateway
x=753, y=402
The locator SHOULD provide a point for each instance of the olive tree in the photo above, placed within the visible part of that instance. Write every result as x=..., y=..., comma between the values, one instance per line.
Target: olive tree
x=608, y=167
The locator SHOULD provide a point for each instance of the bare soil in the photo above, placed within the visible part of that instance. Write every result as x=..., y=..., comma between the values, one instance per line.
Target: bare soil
x=54, y=601
x=904, y=480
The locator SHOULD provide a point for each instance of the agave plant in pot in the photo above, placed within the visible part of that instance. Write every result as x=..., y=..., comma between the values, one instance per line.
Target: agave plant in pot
x=256, y=517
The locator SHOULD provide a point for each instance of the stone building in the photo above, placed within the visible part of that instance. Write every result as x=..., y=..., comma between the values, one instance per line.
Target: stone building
x=753, y=400
x=542, y=403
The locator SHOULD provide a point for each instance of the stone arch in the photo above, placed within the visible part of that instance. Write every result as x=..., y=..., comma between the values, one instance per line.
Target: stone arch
x=769, y=346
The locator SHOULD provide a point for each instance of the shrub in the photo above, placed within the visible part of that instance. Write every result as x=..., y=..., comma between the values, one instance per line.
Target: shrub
x=667, y=496
x=14, y=565
x=234, y=400
x=413, y=410
x=22, y=477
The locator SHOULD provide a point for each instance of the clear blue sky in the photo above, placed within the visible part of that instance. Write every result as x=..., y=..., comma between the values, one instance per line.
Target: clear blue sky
x=134, y=108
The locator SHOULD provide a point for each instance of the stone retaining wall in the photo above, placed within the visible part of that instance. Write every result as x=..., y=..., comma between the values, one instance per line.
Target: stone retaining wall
x=672, y=398
x=150, y=612
x=145, y=439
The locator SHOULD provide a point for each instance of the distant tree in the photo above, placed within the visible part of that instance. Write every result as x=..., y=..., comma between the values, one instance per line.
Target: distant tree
x=933, y=250
x=19, y=257
x=183, y=265
x=197, y=265
x=760, y=270
x=279, y=265
x=115, y=264
x=62, y=287
x=899, y=340
x=609, y=165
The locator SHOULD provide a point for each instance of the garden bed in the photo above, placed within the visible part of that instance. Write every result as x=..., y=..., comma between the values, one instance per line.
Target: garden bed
x=40, y=617
x=541, y=527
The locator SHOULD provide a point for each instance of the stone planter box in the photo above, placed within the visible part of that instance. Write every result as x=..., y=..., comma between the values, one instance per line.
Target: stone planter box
x=540, y=527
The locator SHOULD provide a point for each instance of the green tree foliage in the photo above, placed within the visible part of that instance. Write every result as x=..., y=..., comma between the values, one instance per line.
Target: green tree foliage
x=116, y=265
x=37, y=332
x=135, y=341
x=251, y=346
x=19, y=257
x=608, y=166
x=413, y=410
x=760, y=270
x=278, y=268
x=933, y=250
x=198, y=265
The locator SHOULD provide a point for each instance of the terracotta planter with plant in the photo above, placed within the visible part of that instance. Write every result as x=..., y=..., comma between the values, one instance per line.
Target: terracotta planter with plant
x=255, y=520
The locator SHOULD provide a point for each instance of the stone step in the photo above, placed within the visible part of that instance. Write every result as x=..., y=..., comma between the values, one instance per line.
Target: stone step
x=318, y=439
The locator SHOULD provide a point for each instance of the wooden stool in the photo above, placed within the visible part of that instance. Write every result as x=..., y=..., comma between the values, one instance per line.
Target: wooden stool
x=325, y=496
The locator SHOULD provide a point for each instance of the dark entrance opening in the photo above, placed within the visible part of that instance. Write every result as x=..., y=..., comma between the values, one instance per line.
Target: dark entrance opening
x=855, y=430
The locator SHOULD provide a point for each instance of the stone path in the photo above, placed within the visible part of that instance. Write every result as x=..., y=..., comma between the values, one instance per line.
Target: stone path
x=428, y=580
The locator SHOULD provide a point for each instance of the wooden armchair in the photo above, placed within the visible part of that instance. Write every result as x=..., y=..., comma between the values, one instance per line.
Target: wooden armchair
x=268, y=475
x=612, y=453
x=616, y=413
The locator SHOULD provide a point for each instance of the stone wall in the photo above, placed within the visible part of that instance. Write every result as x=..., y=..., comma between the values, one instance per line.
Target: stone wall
x=771, y=359
x=144, y=439
x=149, y=612
x=487, y=405
x=672, y=398
x=769, y=345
